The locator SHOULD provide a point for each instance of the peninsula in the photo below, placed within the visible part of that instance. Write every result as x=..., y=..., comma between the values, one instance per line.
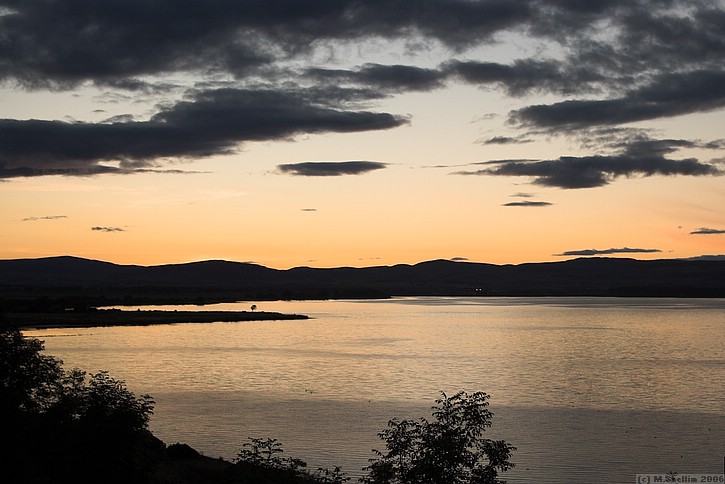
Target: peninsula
x=117, y=317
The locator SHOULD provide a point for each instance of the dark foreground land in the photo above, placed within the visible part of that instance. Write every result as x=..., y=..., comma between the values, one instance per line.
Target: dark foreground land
x=181, y=464
x=117, y=317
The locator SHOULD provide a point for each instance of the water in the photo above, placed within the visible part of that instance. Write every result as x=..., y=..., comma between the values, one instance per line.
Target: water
x=588, y=389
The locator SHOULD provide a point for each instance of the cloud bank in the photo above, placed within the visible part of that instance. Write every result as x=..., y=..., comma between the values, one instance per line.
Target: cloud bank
x=641, y=158
x=209, y=123
x=259, y=73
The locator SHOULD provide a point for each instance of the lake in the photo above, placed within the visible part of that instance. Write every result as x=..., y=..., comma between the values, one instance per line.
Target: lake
x=587, y=389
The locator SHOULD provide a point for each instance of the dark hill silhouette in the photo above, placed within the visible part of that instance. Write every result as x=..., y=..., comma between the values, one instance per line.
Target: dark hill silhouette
x=96, y=282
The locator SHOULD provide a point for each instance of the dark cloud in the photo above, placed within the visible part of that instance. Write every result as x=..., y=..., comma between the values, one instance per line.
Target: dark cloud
x=81, y=170
x=460, y=259
x=107, y=229
x=519, y=78
x=523, y=76
x=228, y=116
x=388, y=78
x=209, y=123
x=717, y=144
x=138, y=86
x=616, y=61
x=522, y=195
x=527, y=203
x=330, y=168
x=507, y=140
x=67, y=41
x=668, y=35
x=707, y=231
x=47, y=217
x=708, y=257
x=623, y=250
x=63, y=42
x=671, y=94
x=308, y=210
x=644, y=39
x=642, y=158
x=119, y=118
x=69, y=169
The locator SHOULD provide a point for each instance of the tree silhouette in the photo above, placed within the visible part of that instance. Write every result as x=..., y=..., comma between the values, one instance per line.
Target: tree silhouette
x=66, y=426
x=29, y=381
x=449, y=449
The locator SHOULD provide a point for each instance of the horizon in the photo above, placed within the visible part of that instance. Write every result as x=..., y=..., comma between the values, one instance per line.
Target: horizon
x=361, y=133
x=704, y=257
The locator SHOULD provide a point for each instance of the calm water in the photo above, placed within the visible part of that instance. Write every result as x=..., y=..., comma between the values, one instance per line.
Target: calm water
x=588, y=389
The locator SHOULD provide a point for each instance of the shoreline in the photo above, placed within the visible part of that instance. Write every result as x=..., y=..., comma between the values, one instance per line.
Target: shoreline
x=118, y=317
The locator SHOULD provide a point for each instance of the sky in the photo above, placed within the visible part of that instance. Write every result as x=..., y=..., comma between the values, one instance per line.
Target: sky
x=361, y=132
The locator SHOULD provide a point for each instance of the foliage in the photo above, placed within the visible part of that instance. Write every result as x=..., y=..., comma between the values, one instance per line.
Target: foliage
x=450, y=449
x=261, y=460
x=29, y=380
x=262, y=452
x=66, y=426
x=103, y=402
x=333, y=476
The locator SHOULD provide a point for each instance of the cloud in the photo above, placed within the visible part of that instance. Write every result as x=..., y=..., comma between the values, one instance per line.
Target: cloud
x=670, y=94
x=308, y=210
x=107, y=229
x=65, y=42
x=120, y=118
x=209, y=123
x=387, y=78
x=507, y=140
x=639, y=158
x=616, y=61
x=46, y=217
x=527, y=203
x=707, y=231
x=459, y=259
x=708, y=257
x=330, y=168
x=522, y=76
x=623, y=250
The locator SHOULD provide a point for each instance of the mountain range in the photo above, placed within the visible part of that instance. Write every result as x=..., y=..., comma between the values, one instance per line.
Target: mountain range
x=96, y=282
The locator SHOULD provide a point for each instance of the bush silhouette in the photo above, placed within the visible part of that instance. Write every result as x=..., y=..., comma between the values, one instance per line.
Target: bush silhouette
x=69, y=426
x=450, y=449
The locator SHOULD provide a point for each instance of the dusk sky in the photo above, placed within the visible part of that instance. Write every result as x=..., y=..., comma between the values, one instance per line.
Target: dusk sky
x=361, y=132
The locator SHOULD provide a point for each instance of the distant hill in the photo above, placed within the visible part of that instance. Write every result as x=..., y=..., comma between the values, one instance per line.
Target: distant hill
x=76, y=281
